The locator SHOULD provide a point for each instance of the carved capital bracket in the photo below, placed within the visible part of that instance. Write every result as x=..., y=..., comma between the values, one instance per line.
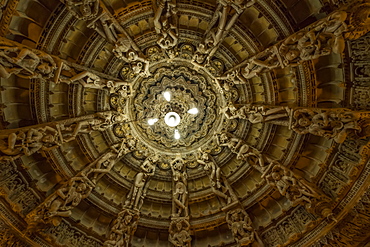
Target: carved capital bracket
x=60, y=204
x=319, y=39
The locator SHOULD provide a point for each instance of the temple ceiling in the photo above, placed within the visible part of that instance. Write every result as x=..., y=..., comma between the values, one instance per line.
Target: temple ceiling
x=184, y=123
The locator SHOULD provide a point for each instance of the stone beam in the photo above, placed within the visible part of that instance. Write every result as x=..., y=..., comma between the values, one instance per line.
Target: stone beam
x=331, y=123
x=321, y=38
x=60, y=204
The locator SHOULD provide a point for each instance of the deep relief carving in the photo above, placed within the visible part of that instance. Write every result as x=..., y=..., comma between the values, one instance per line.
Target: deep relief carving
x=336, y=124
x=351, y=230
x=237, y=218
x=219, y=27
x=241, y=226
x=179, y=232
x=219, y=183
x=179, y=227
x=24, y=62
x=166, y=24
x=45, y=137
x=61, y=203
x=65, y=234
x=138, y=190
x=89, y=79
x=288, y=229
x=184, y=86
x=323, y=37
x=9, y=238
x=83, y=9
x=15, y=189
x=123, y=228
x=297, y=190
x=125, y=225
x=242, y=150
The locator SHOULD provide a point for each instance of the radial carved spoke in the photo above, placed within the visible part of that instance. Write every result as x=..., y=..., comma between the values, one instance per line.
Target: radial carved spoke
x=295, y=188
x=28, y=63
x=179, y=226
x=166, y=24
x=219, y=27
x=47, y=136
x=125, y=225
x=236, y=217
x=321, y=38
x=331, y=123
x=60, y=204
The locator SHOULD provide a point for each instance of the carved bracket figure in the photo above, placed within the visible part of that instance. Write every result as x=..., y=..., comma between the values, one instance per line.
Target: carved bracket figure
x=180, y=191
x=219, y=27
x=137, y=193
x=334, y=124
x=180, y=232
x=17, y=59
x=241, y=226
x=83, y=9
x=123, y=229
x=297, y=190
x=237, y=146
x=219, y=183
x=61, y=203
x=319, y=39
x=258, y=113
x=166, y=24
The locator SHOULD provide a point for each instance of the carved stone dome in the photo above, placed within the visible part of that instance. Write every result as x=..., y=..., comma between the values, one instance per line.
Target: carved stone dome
x=184, y=123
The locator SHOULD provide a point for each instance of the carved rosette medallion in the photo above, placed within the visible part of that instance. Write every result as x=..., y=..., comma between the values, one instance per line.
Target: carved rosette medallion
x=187, y=89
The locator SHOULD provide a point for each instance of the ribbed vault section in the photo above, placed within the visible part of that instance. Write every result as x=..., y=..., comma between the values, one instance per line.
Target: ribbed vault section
x=184, y=123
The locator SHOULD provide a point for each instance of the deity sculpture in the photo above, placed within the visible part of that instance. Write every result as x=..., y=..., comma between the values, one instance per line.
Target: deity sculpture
x=123, y=229
x=219, y=184
x=257, y=114
x=180, y=192
x=34, y=140
x=179, y=232
x=83, y=9
x=24, y=62
x=329, y=123
x=165, y=23
x=100, y=167
x=138, y=190
x=60, y=203
x=102, y=121
x=241, y=226
x=294, y=188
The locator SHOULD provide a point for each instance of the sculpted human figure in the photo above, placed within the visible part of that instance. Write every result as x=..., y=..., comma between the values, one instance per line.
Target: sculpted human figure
x=165, y=23
x=233, y=77
x=101, y=166
x=209, y=165
x=102, y=121
x=256, y=114
x=89, y=80
x=123, y=228
x=65, y=199
x=44, y=138
x=318, y=40
x=328, y=123
x=24, y=62
x=179, y=233
x=84, y=9
x=138, y=190
x=241, y=226
x=268, y=59
x=298, y=191
x=236, y=145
